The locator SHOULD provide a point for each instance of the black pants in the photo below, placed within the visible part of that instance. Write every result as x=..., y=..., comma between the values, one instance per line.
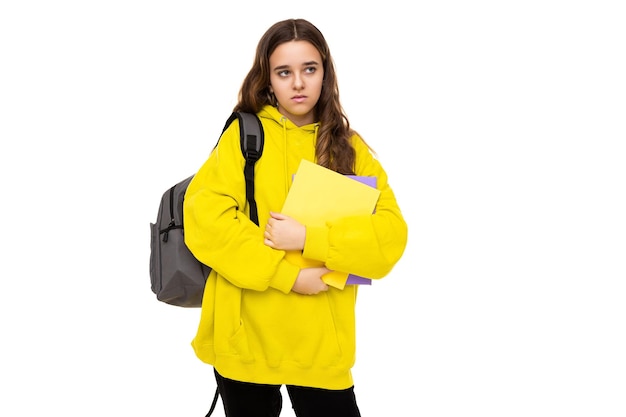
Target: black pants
x=244, y=399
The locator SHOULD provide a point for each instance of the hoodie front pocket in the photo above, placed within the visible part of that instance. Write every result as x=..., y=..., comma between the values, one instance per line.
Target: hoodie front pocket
x=294, y=328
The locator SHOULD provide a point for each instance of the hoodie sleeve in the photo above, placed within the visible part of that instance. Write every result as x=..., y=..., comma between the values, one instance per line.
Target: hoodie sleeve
x=218, y=231
x=368, y=246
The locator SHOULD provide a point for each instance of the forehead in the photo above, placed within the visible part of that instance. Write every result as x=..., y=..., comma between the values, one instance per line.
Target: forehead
x=295, y=53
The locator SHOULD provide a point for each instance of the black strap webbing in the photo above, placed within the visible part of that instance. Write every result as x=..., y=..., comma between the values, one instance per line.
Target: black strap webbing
x=251, y=138
x=214, y=403
x=251, y=135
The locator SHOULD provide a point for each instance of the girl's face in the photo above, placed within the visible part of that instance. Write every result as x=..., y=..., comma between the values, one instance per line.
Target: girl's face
x=296, y=80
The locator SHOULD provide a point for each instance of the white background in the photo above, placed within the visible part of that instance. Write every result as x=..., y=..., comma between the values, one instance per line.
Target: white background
x=502, y=128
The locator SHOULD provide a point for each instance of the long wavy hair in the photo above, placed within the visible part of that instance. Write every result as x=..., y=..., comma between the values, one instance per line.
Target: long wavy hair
x=333, y=149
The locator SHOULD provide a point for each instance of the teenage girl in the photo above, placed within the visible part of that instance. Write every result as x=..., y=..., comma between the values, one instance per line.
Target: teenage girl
x=268, y=321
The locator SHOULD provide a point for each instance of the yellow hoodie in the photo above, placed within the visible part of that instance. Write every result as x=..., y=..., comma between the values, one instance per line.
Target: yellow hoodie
x=252, y=327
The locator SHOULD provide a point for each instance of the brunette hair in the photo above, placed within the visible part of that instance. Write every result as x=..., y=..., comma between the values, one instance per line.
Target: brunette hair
x=333, y=149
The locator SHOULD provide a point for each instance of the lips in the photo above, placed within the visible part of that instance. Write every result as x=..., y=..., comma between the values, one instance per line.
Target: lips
x=298, y=99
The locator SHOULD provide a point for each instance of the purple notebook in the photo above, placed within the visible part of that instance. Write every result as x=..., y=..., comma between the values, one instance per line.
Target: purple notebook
x=355, y=279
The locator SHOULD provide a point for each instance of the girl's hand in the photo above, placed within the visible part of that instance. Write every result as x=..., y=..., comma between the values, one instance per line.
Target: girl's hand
x=309, y=281
x=284, y=233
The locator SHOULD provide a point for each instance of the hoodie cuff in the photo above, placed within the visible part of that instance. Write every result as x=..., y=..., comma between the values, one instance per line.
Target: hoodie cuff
x=316, y=244
x=285, y=276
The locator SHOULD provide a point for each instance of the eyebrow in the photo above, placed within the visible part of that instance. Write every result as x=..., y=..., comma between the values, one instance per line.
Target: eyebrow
x=304, y=64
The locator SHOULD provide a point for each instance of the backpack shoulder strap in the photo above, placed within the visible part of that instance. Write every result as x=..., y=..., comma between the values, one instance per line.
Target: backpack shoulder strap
x=252, y=139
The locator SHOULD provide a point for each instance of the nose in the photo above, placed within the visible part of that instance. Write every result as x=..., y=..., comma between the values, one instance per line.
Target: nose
x=298, y=82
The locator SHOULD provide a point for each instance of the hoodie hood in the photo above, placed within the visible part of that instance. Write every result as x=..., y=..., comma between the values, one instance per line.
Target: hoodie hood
x=272, y=113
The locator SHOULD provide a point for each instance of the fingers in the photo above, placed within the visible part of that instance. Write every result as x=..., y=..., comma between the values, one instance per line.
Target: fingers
x=267, y=234
x=321, y=288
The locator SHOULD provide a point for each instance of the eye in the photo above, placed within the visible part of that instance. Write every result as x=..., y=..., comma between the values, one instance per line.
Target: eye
x=310, y=70
x=283, y=73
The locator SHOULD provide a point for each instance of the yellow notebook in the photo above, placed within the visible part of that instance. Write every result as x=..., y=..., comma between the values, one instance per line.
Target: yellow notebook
x=318, y=195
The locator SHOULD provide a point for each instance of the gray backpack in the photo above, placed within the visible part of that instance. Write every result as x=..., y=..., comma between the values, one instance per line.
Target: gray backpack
x=176, y=276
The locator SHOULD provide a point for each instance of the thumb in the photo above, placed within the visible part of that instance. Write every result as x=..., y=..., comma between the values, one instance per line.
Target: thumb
x=277, y=216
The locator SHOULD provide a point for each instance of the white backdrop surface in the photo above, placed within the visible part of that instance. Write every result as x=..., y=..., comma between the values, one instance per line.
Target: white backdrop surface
x=501, y=126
